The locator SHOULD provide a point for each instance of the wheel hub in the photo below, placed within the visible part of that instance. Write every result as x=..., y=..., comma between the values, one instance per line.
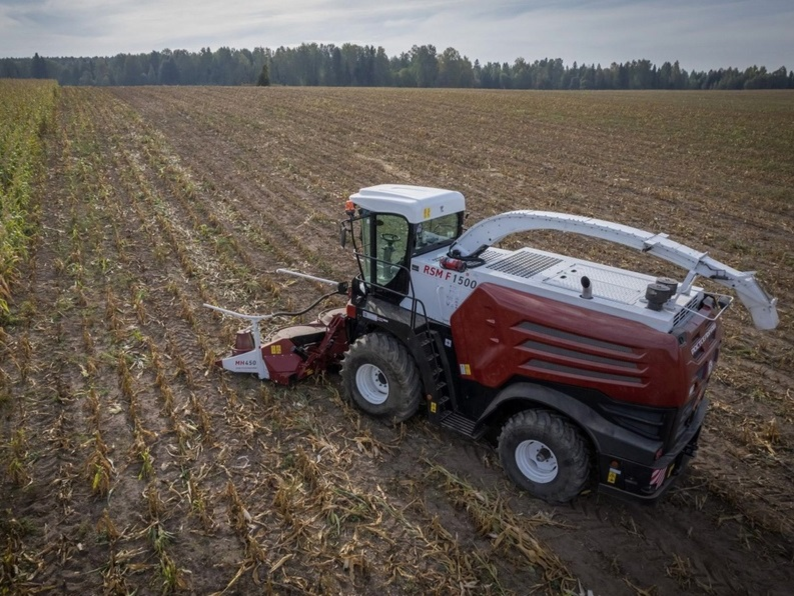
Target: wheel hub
x=372, y=384
x=536, y=461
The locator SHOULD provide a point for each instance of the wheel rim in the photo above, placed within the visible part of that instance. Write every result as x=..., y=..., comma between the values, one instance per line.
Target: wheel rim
x=536, y=461
x=372, y=384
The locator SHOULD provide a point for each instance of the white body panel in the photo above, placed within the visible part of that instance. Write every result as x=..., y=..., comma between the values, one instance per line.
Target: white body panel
x=249, y=362
x=616, y=291
x=558, y=277
x=490, y=231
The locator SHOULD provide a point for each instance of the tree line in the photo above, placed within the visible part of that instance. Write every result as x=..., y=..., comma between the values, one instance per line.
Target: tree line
x=365, y=66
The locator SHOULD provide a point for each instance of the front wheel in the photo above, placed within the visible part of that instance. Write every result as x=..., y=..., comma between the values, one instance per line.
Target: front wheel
x=380, y=377
x=545, y=454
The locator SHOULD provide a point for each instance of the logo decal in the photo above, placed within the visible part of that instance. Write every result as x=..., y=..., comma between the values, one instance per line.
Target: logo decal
x=699, y=343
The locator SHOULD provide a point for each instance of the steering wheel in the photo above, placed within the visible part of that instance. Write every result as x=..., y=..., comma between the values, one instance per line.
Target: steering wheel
x=390, y=238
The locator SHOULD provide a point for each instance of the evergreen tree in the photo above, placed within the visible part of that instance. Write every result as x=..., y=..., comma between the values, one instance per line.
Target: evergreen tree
x=264, y=77
x=383, y=75
x=352, y=64
x=169, y=73
x=424, y=63
x=38, y=68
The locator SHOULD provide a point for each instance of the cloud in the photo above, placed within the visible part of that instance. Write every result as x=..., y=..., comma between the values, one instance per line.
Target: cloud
x=702, y=35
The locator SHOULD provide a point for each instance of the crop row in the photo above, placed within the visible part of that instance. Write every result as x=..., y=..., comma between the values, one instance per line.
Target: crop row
x=26, y=114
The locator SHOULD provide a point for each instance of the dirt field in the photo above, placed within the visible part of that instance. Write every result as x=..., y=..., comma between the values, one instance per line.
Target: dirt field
x=130, y=465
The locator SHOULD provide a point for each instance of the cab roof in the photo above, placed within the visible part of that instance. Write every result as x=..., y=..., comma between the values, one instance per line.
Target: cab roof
x=414, y=203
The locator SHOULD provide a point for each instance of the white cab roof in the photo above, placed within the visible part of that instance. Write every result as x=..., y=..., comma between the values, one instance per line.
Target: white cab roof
x=414, y=203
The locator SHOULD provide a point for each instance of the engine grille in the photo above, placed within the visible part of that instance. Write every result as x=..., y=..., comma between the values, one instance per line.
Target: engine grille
x=490, y=255
x=524, y=264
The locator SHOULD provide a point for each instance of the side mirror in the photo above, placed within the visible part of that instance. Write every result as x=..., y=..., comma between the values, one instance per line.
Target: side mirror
x=342, y=234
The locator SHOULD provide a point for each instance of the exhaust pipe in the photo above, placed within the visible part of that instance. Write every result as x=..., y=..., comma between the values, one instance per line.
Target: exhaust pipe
x=587, y=288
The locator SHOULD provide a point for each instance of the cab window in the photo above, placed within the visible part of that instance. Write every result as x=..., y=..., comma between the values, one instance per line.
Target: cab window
x=437, y=232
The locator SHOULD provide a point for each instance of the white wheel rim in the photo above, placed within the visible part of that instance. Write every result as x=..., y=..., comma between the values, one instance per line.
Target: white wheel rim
x=536, y=461
x=372, y=384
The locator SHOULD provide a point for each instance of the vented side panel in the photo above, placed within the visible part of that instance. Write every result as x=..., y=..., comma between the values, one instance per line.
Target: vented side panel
x=682, y=314
x=501, y=334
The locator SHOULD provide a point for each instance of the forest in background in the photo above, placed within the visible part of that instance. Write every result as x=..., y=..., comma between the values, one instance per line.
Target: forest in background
x=370, y=66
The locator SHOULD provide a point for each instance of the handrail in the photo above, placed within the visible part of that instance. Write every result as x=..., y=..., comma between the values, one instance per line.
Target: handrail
x=411, y=293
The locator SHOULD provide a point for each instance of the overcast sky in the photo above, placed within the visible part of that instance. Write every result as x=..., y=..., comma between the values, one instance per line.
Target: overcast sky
x=701, y=34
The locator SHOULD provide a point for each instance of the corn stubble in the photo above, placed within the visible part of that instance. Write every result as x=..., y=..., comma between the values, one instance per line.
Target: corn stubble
x=155, y=473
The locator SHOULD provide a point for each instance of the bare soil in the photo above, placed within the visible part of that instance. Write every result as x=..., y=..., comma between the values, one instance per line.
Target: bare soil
x=132, y=465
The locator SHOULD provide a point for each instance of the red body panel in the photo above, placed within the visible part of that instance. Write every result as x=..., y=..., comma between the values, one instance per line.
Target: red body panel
x=500, y=333
x=301, y=350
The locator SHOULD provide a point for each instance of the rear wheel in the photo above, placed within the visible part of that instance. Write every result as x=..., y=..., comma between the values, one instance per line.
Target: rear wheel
x=380, y=377
x=545, y=454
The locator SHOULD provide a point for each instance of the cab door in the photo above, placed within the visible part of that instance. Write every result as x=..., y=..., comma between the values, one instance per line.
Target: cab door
x=385, y=242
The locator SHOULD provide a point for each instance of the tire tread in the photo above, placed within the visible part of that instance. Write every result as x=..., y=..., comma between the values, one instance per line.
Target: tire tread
x=384, y=346
x=554, y=426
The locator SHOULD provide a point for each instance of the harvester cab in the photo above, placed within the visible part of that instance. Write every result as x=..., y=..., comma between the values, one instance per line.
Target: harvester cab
x=579, y=373
x=392, y=224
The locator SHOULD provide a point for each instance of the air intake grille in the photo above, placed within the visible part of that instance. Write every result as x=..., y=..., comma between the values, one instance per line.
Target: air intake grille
x=684, y=313
x=524, y=264
x=490, y=255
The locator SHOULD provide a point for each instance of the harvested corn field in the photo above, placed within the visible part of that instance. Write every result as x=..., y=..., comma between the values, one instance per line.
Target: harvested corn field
x=131, y=465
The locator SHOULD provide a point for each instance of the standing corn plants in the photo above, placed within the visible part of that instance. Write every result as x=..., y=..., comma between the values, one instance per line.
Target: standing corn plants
x=27, y=111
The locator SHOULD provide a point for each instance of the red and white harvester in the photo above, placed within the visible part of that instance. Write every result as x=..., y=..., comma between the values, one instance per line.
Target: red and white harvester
x=579, y=373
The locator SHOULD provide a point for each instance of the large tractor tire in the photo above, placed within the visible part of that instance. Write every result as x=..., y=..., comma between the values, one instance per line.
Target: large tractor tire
x=545, y=454
x=380, y=377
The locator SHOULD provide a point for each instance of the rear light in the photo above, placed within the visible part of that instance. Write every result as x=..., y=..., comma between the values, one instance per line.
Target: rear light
x=350, y=310
x=350, y=207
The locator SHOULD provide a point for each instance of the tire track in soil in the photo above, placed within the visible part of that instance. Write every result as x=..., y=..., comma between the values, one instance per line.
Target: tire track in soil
x=690, y=543
x=227, y=456
x=313, y=124
x=166, y=444
x=61, y=502
x=235, y=403
x=239, y=214
x=599, y=525
x=725, y=583
x=281, y=199
x=552, y=135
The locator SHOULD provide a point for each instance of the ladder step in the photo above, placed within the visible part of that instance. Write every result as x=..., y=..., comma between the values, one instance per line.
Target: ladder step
x=461, y=424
